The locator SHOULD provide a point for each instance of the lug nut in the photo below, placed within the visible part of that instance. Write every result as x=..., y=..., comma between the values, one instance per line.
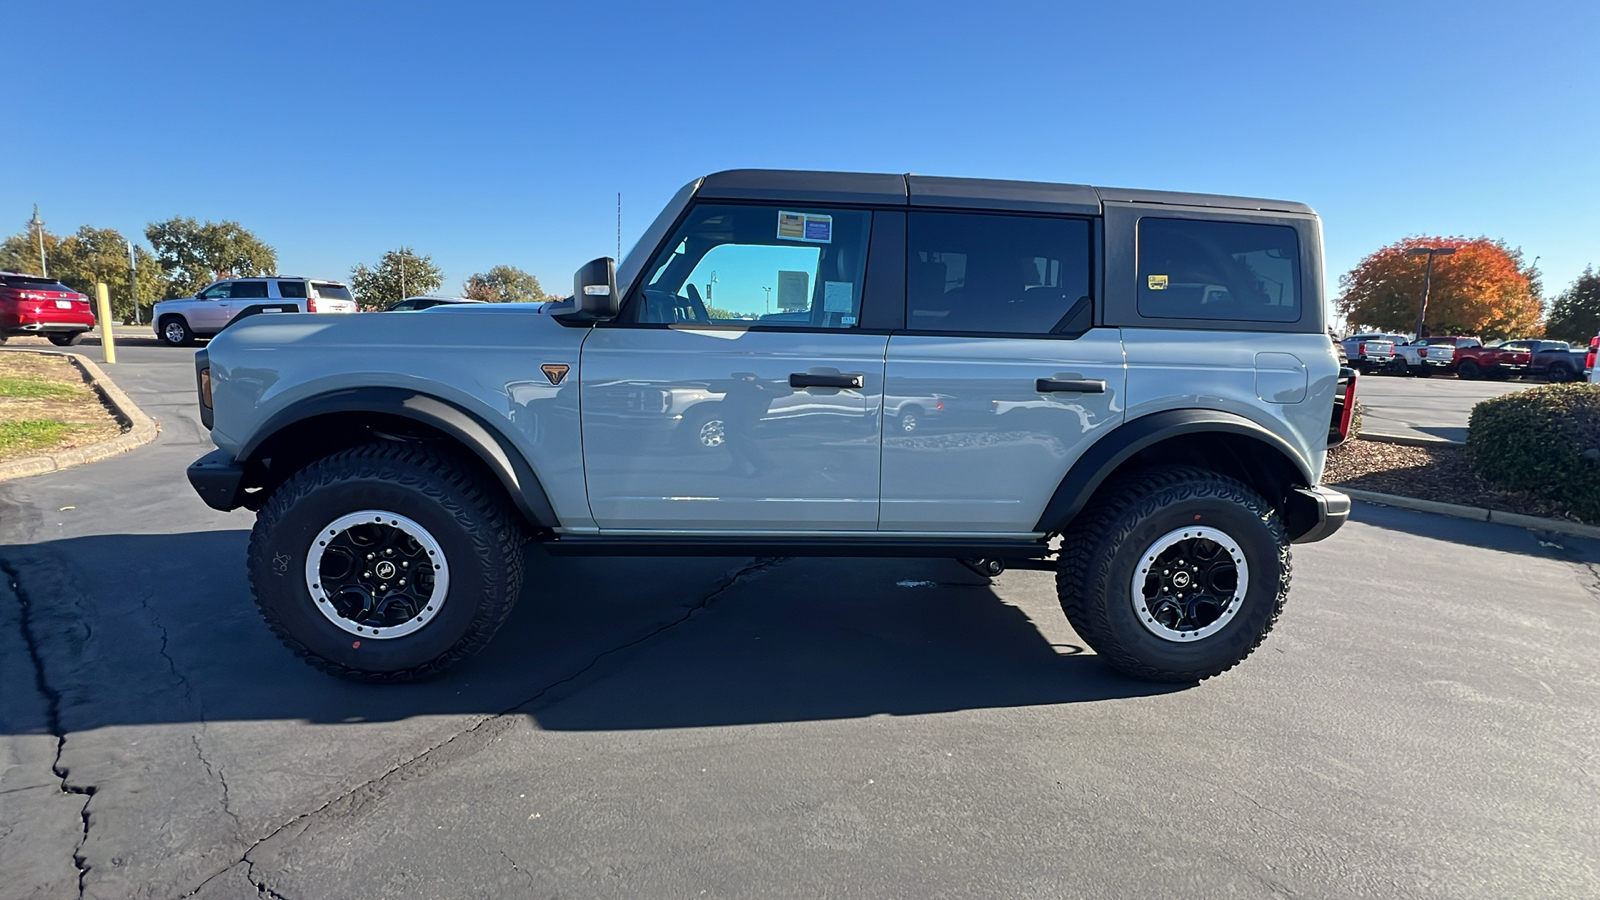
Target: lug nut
x=369, y=556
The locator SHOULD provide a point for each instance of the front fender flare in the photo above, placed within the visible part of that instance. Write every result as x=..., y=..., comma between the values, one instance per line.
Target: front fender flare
x=471, y=431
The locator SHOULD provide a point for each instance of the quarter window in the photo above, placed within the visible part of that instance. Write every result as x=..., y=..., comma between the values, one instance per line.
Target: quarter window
x=292, y=290
x=997, y=274
x=1233, y=271
x=798, y=267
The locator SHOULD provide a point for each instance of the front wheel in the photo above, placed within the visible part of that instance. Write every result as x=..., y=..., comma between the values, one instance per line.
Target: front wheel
x=65, y=338
x=176, y=332
x=1423, y=371
x=1174, y=574
x=386, y=562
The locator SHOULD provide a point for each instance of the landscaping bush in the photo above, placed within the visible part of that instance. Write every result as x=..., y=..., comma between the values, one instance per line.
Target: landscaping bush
x=1545, y=441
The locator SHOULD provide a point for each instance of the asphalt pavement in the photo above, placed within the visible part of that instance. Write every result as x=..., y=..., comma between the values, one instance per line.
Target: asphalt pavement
x=1422, y=723
x=1434, y=407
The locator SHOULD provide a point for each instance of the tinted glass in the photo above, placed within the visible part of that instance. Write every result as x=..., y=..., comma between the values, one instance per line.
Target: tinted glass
x=292, y=289
x=759, y=265
x=331, y=291
x=217, y=292
x=34, y=283
x=997, y=274
x=249, y=290
x=1232, y=271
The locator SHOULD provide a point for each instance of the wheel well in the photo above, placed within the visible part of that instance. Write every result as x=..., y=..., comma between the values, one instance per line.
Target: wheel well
x=1256, y=463
x=301, y=443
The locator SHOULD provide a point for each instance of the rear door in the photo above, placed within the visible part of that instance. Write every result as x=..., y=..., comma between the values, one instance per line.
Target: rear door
x=331, y=297
x=999, y=382
x=738, y=391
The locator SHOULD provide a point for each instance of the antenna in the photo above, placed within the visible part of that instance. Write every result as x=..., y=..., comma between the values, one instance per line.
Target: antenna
x=619, y=226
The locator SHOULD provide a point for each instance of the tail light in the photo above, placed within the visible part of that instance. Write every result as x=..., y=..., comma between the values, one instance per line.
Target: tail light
x=1422, y=353
x=1594, y=345
x=311, y=304
x=1349, y=408
x=1361, y=349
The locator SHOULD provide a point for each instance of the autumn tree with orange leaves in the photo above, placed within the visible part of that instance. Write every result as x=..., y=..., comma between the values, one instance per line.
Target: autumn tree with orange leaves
x=1482, y=290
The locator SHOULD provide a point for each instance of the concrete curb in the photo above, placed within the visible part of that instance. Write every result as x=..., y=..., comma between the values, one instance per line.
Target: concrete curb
x=1475, y=513
x=141, y=428
x=1408, y=440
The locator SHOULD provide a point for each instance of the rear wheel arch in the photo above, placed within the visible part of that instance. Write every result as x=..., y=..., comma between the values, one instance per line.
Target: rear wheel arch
x=1225, y=443
x=329, y=423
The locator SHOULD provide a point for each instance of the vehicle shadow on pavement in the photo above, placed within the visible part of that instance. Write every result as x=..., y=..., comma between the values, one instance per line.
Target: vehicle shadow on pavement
x=140, y=629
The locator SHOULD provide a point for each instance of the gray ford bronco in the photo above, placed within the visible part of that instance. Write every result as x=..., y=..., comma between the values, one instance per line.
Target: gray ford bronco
x=1135, y=385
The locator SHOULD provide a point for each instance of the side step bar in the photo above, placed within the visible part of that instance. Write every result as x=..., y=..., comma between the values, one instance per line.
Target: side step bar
x=681, y=545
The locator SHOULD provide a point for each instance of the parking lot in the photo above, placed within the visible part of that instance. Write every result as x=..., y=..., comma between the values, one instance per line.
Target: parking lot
x=1426, y=408
x=1423, y=722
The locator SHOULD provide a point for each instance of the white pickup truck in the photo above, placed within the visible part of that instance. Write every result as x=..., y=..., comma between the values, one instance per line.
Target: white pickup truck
x=1372, y=352
x=1426, y=356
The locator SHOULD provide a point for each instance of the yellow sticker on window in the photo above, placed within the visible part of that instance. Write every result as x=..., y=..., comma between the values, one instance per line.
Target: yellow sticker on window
x=1158, y=282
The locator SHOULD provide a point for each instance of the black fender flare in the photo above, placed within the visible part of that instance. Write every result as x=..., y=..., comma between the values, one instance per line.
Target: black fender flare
x=486, y=442
x=1118, y=446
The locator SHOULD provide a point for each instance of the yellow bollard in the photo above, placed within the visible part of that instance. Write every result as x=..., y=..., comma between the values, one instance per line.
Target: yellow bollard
x=104, y=315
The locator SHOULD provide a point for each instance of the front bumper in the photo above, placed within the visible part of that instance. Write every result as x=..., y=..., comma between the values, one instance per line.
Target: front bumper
x=216, y=478
x=1315, y=512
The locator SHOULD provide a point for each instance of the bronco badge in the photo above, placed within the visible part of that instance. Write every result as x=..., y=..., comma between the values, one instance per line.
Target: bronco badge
x=556, y=372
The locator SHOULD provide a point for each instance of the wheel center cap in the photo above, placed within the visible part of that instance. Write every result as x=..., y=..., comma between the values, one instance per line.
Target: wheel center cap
x=1179, y=579
x=384, y=570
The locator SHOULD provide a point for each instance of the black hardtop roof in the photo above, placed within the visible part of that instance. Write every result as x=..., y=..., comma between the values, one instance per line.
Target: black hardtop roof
x=970, y=193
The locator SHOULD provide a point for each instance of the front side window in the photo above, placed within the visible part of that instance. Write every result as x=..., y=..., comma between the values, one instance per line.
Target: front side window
x=249, y=290
x=217, y=291
x=292, y=290
x=795, y=266
x=1232, y=271
x=997, y=274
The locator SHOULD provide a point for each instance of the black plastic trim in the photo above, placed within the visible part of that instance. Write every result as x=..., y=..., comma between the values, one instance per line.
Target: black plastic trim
x=1117, y=447
x=1314, y=513
x=883, y=293
x=217, y=478
x=496, y=452
x=721, y=545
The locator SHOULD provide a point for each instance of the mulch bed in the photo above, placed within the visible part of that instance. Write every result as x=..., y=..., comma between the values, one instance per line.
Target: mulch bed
x=1429, y=473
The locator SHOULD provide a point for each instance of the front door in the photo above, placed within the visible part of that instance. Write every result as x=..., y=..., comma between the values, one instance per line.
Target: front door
x=735, y=393
x=1000, y=382
x=211, y=309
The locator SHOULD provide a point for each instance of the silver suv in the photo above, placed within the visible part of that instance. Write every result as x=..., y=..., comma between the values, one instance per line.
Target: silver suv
x=1135, y=386
x=221, y=303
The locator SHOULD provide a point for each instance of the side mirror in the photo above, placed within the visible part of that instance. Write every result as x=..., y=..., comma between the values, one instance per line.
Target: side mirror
x=594, y=290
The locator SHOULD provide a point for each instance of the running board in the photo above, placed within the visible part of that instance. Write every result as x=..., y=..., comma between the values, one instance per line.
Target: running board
x=681, y=545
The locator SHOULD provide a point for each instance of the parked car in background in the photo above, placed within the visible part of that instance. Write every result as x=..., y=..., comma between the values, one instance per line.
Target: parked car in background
x=412, y=304
x=33, y=304
x=1372, y=352
x=178, y=322
x=1427, y=356
x=1499, y=361
x=1555, y=361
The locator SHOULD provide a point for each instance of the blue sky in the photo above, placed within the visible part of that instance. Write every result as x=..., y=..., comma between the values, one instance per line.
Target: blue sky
x=502, y=133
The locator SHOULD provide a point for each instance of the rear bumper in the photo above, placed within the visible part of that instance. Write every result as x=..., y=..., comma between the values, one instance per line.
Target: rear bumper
x=1316, y=512
x=216, y=478
x=15, y=326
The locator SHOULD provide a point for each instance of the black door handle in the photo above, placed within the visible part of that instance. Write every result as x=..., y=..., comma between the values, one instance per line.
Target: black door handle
x=1070, y=386
x=810, y=380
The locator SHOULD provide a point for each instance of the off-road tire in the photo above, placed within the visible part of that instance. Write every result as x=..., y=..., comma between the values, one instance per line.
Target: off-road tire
x=65, y=338
x=1102, y=547
x=168, y=332
x=469, y=516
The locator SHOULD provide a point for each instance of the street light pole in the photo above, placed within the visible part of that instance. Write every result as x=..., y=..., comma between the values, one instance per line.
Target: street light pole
x=769, y=299
x=38, y=229
x=133, y=282
x=1427, y=277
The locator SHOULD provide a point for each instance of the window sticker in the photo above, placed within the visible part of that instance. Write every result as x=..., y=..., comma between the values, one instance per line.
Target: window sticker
x=1157, y=282
x=794, y=291
x=847, y=320
x=808, y=227
x=838, y=296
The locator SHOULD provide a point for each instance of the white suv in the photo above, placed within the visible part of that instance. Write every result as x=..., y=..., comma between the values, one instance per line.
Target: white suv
x=180, y=321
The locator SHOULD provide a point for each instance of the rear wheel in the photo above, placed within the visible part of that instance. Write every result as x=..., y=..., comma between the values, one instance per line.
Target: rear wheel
x=1469, y=370
x=1174, y=574
x=65, y=338
x=1559, y=372
x=387, y=562
x=175, y=331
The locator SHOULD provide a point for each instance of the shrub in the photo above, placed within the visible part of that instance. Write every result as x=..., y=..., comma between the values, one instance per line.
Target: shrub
x=1545, y=441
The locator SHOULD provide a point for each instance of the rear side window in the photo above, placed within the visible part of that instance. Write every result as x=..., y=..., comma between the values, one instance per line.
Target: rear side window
x=292, y=290
x=331, y=291
x=997, y=274
x=1229, y=271
x=249, y=290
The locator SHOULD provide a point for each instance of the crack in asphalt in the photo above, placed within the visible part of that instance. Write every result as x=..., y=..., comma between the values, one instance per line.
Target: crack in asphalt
x=52, y=698
x=472, y=738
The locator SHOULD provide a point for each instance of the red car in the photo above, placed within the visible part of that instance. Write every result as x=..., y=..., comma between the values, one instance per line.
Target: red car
x=30, y=304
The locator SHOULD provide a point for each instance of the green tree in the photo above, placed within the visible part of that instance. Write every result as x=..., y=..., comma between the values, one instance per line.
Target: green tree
x=504, y=284
x=1575, y=317
x=90, y=255
x=20, y=252
x=193, y=255
x=399, y=274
